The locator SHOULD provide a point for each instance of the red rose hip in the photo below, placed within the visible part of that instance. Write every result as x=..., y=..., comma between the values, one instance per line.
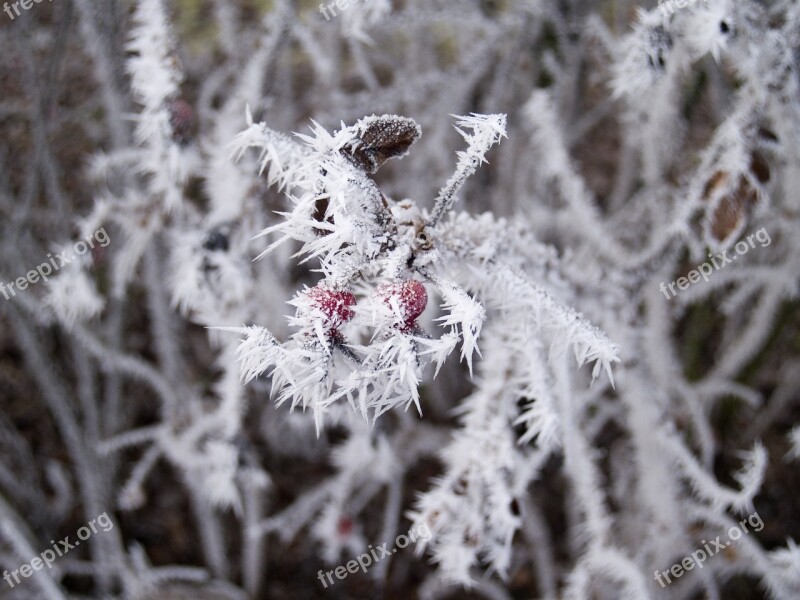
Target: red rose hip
x=409, y=296
x=335, y=305
x=344, y=527
x=181, y=119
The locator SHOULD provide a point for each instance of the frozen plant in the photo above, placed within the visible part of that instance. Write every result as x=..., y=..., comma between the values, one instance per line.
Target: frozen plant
x=370, y=354
x=297, y=346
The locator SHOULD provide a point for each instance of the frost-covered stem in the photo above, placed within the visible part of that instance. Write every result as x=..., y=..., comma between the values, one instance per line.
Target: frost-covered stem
x=447, y=195
x=225, y=16
x=655, y=481
x=162, y=323
x=23, y=491
x=492, y=590
x=487, y=131
x=14, y=531
x=209, y=528
x=322, y=61
x=113, y=416
x=228, y=183
x=92, y=491
x=706, y=485
x=54, y=391
x=556, y=165
x=359, y=501
x=87, y=393
x=661, y=358
x=435, y=587
x=156, y=81
x=362, y=64
x=232, y=406
x=504, y=80
x=567, y=67
x=253, y=547
x=91, y=425
x=587, y=122
x=751, y=338
x=101, y=58
x=534, y=527
x=626, y=175
x=780, y=401
x=750, y=556
x=391, y=520
x=116, y=362
x=138, y=474
x=292, y=518
x=577, y=454
x=43, y=152
x=614, y=565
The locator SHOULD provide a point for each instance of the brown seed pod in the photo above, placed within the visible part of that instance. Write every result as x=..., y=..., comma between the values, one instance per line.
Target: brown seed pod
x=759, y=166
x=379, y=139
x=714, y=183
x=727, y=217
x=422, y=239
x=733, y=209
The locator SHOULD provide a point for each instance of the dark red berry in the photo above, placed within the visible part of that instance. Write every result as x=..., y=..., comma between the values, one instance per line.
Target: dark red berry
x=98, y=255
x=334, y=304
x=410, y=297
x=344, y=527
x=181, y=119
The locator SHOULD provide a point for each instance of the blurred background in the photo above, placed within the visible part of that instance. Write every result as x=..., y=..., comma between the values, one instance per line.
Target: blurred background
x=69, y=383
